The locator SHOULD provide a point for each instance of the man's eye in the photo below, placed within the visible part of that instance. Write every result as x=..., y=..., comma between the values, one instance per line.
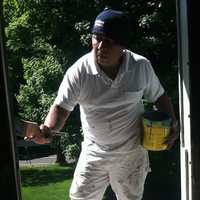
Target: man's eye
x=105, y=40
x=98, y=38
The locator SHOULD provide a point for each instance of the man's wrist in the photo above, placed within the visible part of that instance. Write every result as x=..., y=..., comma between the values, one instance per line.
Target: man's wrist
x=46, y=131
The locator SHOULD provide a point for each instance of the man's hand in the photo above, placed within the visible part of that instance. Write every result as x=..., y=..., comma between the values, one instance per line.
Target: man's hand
x=173, y=136
x=39, y=135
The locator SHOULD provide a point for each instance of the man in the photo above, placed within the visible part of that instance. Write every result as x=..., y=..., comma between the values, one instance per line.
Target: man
x=109, y=83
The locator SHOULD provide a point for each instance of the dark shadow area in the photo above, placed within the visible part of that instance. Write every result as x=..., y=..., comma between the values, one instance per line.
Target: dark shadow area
x=163, y=182
x=39, y=177
x=109, y=194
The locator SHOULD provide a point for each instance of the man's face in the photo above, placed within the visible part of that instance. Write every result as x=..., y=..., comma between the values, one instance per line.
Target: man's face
x=106, y=51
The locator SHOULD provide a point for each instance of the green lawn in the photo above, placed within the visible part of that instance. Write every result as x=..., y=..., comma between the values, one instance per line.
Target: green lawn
x=50, y=182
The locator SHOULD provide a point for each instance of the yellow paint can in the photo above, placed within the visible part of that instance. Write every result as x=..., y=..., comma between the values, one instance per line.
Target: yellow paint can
x=156, y=127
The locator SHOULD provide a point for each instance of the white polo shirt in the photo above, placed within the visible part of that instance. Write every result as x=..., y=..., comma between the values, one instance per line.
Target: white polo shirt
x=110, y=109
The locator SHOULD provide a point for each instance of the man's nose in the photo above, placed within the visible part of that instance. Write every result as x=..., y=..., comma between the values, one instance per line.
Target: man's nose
x=102, y=44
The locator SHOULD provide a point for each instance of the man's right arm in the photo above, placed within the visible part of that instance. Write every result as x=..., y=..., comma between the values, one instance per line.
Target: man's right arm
x=54, y=121
x=56, y=118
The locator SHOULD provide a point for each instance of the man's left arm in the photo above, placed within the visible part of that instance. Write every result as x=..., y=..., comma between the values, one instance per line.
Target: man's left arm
x=164, y=104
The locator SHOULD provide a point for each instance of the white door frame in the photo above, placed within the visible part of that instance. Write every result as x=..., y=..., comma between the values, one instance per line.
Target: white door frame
x=184, y=100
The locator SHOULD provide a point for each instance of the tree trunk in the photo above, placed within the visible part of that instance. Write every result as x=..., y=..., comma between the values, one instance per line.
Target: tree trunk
x=60, y=157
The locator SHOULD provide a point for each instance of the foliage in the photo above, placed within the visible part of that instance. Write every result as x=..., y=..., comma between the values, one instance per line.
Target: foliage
x=42, y=75
x=73, y=139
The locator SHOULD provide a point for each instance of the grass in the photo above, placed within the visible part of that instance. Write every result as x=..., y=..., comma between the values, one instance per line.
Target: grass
x=50, y=182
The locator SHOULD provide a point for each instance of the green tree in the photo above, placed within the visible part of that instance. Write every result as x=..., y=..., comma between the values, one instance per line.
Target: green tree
x=37, y=65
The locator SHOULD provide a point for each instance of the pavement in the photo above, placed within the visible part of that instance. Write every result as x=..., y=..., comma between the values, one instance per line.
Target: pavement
x=38, y=161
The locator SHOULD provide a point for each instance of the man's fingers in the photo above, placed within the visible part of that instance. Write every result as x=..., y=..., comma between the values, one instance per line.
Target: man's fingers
x=39, y=135
x=170, y=140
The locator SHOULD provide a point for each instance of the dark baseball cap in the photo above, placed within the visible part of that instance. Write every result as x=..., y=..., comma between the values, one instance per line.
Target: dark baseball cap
x=113, y=24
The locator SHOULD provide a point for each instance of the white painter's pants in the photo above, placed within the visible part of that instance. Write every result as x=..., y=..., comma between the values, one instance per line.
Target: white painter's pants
x=125, y=172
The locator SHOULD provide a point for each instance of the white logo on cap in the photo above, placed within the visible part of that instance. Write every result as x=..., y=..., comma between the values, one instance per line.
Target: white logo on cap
x=99, y=23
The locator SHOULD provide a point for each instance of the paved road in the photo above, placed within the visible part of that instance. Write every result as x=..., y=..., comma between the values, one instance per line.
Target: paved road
x=42, y=161
x=39, y=161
